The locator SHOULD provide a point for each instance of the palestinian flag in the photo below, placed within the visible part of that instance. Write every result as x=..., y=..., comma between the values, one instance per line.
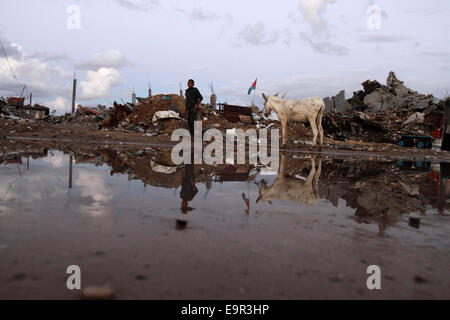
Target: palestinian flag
x=253, y=87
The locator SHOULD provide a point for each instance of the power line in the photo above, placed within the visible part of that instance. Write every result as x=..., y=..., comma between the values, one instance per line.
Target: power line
x=11, y=69
x=9, y=65
x=24, y=87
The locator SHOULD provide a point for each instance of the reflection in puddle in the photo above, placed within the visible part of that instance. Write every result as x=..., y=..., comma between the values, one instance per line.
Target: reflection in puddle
x=138, y=206
x=294, y=188
x=378, y=192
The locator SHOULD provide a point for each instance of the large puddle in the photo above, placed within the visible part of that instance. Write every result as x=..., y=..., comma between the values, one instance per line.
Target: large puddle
x=154, y=230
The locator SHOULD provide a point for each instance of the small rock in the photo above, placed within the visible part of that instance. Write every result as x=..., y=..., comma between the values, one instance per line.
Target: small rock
x=19, y=276
x=414, y=222
x=337, y=278
x=97, y=293
x=181, y=224
x=419, y=280
x=141, y=277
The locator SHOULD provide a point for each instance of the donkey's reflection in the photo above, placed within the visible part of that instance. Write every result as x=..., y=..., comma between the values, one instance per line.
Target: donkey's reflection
x=293, y=187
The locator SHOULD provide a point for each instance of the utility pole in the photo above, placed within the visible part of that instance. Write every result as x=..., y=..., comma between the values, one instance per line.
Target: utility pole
x=213, y=98
x=70, y=170
x=74, y=92
x=446, y=127
x=31, y=99
x=133, y=97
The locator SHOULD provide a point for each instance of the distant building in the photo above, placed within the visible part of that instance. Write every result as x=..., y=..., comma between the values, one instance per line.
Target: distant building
x=37, y=111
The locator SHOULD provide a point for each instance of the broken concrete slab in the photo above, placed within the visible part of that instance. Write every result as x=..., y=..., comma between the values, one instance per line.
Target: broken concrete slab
x=336, y=103
x=340, y=102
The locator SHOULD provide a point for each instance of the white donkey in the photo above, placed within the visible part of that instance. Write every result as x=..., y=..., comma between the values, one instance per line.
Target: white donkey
x=302, y=110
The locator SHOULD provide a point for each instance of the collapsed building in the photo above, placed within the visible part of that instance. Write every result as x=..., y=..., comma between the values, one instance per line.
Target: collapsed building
x=164, y=113
x=383, y=113
x=378, y=113
x=15, y=108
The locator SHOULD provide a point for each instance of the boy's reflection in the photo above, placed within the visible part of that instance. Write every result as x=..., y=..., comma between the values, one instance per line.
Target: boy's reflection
x=188, y=188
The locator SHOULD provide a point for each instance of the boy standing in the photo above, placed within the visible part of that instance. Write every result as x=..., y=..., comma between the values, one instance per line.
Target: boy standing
x=193, y=100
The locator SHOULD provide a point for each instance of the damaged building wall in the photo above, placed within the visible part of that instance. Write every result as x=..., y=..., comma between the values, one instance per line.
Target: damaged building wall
x=383, y=113
x=337, y=104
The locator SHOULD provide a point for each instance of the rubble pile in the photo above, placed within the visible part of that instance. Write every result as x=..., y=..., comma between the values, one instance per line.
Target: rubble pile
x=147, y=108
x=149, y=166
x=153, y=166
x=394, y=97
x=140, y=117
x=158, y=115
x=83, y=117
x=118, y=114
x=382, y=193
x=390, y=113
x=382, y=113
x=161, y=114
x=11, y=111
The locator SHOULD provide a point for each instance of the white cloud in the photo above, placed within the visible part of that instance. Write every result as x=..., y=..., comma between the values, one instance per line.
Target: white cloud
x=42, y=79
x=107, y=59
x=96, y=193
x=60, y=105
x=200, y=15
x=99, y=83
x=32, y=187
x=256, y=34
x=56, y=160
x=313, y=11
x=12, y=50
x=320, y=36
x=48, y=181
x=52, y=86
x=93, y=185
x=325, y=46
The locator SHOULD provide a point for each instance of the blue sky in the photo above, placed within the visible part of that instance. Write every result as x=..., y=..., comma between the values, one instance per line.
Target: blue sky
x=301, y=47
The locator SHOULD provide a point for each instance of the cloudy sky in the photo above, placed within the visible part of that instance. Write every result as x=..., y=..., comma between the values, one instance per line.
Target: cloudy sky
x=299, y=47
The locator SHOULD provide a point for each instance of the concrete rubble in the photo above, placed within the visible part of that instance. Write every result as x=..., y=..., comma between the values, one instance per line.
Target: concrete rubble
x=384, y=193
x=378, y=113
x=383, y=113
x=11, y=109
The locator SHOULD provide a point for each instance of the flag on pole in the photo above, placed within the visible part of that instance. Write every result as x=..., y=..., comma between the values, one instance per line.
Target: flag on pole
x=253, y=87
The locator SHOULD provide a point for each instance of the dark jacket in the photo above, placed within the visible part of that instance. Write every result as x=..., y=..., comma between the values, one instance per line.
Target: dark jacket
x=192, y=97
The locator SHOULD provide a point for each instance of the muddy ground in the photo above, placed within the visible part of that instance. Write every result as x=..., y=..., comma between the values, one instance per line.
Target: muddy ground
x=12, y=132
